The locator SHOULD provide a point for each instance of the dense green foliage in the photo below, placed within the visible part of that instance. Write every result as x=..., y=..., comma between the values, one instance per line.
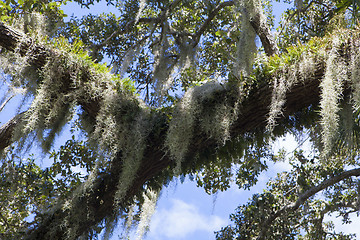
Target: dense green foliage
x=181, y=71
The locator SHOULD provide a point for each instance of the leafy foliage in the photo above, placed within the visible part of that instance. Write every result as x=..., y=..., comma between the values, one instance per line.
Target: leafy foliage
x=28, y=191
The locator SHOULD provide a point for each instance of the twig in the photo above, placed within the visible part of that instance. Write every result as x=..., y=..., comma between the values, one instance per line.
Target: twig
x=5, y=102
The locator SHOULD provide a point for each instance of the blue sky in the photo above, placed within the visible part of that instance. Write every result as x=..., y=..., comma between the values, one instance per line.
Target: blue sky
x=190, y=212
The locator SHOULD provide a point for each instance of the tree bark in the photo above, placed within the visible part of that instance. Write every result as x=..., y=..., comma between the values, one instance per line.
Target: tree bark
x=100, y=199
x=265, y=35
x=7, y=130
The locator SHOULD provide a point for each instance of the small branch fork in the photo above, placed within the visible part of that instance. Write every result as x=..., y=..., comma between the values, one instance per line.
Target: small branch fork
x=305, y=196
x=207, y=22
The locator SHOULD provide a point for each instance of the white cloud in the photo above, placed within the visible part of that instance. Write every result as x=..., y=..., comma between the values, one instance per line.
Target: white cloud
x=181, y=220
x=352, y=227
x=288, y=142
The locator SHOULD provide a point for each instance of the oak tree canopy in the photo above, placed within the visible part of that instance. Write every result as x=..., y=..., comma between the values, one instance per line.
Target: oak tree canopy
x=165, y=89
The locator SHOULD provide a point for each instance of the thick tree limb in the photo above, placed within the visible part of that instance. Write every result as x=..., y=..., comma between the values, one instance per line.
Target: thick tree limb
x=265, y=35
x=100, y=198
x=7, y=130
x=305, y=196
x=13, y=40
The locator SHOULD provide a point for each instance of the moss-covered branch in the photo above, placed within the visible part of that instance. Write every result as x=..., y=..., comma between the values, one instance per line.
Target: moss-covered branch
x=245, y=112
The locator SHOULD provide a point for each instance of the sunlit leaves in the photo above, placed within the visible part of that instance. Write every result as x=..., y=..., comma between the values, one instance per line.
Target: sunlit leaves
x=307, y=221
x=11, y=10
x=72, y=163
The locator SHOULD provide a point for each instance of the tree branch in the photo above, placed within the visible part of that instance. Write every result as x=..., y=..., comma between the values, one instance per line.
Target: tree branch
x=265, y=35
x=6, y=102
x=211, y=16
x=252, y=117
x=7, y=130
x=305, y=196
x=95, y=48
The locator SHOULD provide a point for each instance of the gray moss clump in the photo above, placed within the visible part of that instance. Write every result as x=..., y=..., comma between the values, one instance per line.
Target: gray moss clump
x=355, y=79
x=336, y=74
x=147, y=210
x=246, y=47
x=341, y=68
x=192, y=114
x=302, y=66
x=122, y=125
x=52, y=106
